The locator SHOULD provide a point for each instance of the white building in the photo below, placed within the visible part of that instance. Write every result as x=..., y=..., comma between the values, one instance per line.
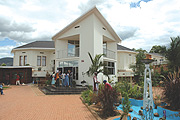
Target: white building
x=125, y=58
x=89, y=33
x=39, y=54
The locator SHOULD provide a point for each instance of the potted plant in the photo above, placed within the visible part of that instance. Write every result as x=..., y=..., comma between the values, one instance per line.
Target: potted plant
x=74, y=83
x=126, y=107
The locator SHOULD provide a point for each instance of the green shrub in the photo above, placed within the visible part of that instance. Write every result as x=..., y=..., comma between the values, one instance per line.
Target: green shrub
x=86, y=95
x=133, y=92
x=126, y=104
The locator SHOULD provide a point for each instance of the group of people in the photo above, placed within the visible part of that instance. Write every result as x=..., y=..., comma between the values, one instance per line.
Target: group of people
x=96, y=83
x=63, y=79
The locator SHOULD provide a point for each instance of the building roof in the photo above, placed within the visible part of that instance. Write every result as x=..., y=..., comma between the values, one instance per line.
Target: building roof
x=95, y=11
x=38, y=44
x=120, y=47
x=156, y=54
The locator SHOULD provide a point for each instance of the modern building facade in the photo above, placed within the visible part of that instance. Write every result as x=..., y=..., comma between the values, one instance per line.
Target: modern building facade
x=89, y=33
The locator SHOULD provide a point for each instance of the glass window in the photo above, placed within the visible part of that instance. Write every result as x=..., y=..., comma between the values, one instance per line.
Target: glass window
x=25, y=60
x=66, y=64
x=38, y=60
x=20, y=60
x=110, y=67
x=75, y=63
x=61, y=64
x=43, y=60
x=71, y=63
x=73, y=47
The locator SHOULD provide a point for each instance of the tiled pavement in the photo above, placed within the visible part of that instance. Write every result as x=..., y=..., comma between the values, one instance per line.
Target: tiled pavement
x=28, y=103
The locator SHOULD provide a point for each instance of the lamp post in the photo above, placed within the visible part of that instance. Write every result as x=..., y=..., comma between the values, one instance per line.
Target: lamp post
x=147, y=96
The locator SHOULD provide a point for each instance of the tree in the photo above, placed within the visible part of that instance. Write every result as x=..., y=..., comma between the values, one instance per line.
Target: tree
x=97, y=65
x=139, y=67
x=158, y=49
x=173, y=54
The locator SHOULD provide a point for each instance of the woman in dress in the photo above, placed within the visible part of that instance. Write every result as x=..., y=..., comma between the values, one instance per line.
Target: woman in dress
x=53, y=79
x=67, y=80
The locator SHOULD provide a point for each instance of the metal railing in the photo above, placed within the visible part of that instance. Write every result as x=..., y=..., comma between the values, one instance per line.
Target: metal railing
x=109, y=53
x=70, y=52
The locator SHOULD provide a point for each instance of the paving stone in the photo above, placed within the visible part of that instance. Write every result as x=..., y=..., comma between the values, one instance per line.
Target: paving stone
x=29, y=103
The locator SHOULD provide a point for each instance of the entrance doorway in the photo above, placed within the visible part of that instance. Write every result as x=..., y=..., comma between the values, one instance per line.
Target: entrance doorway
x=73, y=69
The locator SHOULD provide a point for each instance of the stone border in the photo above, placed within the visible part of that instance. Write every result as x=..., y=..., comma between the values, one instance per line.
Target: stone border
x=92, y=112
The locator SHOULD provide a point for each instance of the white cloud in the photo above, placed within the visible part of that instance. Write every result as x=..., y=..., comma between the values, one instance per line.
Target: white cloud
x=154, y=22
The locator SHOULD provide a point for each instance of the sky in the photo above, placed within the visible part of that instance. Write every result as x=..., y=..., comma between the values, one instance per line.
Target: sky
x=139, y=23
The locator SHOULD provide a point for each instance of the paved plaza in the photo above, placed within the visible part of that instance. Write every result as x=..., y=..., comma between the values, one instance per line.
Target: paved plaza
x=29, y=103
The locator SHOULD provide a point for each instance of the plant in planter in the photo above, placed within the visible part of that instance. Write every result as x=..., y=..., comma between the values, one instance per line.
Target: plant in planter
x=107, y=98
x=126, y=107
x=74, y=83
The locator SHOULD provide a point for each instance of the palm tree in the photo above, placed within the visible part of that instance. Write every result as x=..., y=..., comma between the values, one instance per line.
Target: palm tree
x=97, y=65
x=173, y=54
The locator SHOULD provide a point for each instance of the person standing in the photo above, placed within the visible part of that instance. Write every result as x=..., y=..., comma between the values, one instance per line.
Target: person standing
x=1, y=88
x=18, y=80
x=60, y=78
x=57, y=79
x=53, y=79
x=96, y=82
x=70, y=77
x=63, y=79
x=67, y=79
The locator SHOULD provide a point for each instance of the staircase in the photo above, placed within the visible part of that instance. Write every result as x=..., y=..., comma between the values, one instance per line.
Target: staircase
x=52, y=90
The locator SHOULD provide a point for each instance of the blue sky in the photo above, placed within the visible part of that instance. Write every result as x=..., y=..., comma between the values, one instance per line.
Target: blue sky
x=140, y=23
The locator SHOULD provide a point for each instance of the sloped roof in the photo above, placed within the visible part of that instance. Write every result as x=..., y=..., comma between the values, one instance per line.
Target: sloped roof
x=38, y=44
x=156, y=54
x=120, y=47
x=85, y=15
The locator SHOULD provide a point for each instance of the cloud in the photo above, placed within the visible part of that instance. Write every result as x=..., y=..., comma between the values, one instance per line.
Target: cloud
x=5, y=51
x=150, y=22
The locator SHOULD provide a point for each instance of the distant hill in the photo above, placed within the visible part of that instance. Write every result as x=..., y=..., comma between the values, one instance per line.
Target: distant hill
x=7, y=60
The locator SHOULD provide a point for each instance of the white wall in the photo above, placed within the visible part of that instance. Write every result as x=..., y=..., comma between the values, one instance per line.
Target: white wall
x=125, y=59
x=91, y=40
x=32, y=60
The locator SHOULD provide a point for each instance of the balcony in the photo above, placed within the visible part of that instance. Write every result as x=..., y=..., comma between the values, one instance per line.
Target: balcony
x=68, y=53
x=109, y=53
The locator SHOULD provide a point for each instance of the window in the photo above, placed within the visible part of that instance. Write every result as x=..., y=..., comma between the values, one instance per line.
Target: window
x=20, y=60
x=68, y=64
x=38, y=60
x=110, y=67
x=43, y=60
x=73, y=48
x=25, y=60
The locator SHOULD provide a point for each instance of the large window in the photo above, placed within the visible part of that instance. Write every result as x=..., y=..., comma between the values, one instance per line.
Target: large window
x=38, y=60
x=25, y=60
x=68, y=64
x=110, y=67
x=20, y=60
x=73, y=48
x=43, y=60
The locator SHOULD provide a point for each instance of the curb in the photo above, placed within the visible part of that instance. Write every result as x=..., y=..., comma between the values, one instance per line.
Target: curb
x=92, y=112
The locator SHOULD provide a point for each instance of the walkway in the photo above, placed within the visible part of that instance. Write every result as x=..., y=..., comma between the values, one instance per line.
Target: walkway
x=28, y=103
